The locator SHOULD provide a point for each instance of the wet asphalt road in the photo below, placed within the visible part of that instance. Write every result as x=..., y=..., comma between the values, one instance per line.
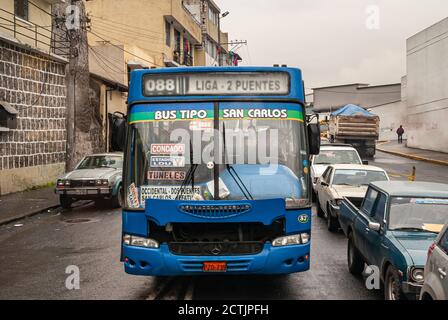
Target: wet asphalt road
x=34, y=258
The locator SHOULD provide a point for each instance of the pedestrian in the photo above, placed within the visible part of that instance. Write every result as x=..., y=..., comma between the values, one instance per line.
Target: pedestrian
x=400, y=133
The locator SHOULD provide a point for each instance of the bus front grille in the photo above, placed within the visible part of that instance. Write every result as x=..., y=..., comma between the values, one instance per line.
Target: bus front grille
x=215, y=211
x=215, y=249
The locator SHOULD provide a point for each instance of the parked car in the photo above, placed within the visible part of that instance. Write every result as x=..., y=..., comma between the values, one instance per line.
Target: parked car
x=344, y=180
x=332, y=154
x=392, y=229
x=96, y=177
x=436, y=270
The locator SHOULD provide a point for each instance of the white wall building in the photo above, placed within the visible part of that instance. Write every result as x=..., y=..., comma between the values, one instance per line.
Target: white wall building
x=392, y=115
x=328, y=99
x=427, y=97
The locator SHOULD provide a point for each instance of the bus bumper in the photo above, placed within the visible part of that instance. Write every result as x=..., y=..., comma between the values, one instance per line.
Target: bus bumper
x=160, y=262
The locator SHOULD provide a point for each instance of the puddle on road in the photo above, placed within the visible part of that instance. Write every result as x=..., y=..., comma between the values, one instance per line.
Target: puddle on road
x=80, y=221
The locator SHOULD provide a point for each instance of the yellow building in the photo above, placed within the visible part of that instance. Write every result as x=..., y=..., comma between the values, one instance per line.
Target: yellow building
x=132, y=34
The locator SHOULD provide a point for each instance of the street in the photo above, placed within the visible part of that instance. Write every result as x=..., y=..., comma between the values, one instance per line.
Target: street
x=35, y=256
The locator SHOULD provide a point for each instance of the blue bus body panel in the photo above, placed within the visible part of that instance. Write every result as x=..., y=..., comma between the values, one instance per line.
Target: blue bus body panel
x=136, y=87
x=161, y=262
x=271, y=260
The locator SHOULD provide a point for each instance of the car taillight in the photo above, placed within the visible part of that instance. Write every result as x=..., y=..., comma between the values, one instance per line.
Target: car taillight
x=431, y=249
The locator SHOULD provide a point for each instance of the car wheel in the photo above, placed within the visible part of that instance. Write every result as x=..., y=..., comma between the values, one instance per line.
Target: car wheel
x=320, y=212
x=392, y=285
x=66, y=203
x=354, y=258
x=117, y=200
x=332, y=222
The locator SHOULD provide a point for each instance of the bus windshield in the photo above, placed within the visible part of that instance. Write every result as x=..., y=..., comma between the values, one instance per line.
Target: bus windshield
x=257, y=158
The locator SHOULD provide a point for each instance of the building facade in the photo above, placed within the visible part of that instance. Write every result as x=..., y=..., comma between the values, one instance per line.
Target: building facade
x=148, y=34
x=427, y=97
x=33, y=91
x=329, y=99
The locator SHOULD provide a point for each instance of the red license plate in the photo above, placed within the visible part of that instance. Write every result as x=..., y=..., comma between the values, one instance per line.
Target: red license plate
x=214, y=267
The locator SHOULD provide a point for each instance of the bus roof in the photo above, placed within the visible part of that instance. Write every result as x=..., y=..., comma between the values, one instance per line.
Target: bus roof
x=136, y=96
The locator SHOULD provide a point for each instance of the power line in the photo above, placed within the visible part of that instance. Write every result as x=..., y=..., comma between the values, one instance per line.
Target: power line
x=124, y=50
x=102, y=59
x=132, y=27
x=131, y=30
x=125, y=34
x=119, y=41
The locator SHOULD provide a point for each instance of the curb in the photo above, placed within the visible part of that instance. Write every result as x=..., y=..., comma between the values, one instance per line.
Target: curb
x=26, y=215
x=414, y=157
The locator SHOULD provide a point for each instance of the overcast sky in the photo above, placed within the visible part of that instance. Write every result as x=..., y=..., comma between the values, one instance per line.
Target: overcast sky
x=329, y=39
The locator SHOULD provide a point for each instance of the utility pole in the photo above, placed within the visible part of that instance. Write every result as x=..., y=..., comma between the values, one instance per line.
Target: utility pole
x=72, y=24
x=220, y=16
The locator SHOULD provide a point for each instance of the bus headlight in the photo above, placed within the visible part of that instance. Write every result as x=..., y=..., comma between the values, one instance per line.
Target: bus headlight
x=292, y=204
x=293, y=240
x=135, y=241
x=417, y=275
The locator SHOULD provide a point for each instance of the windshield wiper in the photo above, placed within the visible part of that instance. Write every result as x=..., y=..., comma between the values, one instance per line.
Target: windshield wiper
x=189, y=176
x=413, y=229
x=231, y=169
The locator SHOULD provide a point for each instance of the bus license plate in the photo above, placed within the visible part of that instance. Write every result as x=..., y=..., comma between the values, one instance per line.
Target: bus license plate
x=214, y=267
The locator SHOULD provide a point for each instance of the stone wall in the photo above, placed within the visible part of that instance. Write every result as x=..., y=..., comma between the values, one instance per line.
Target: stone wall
x=34, y=84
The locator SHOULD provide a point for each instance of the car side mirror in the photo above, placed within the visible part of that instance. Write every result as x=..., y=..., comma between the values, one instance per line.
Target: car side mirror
x=365, y=162
x=314, y=138
x=374, y=226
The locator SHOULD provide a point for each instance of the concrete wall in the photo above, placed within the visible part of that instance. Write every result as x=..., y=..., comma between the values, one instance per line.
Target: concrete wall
x=392, y=115
x=427, y=97
x=333, y=98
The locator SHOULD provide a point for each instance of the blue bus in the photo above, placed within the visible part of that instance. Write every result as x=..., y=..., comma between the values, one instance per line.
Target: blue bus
x=216, y=173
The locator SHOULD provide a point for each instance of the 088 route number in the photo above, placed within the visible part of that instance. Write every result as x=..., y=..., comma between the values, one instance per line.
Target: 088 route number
x=160, y=85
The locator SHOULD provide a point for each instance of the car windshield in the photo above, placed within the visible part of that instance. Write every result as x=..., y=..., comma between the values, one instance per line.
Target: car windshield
x=418, y=214
x=161, y=153
x=95, y=162
x=328, y=157
x=357, y=177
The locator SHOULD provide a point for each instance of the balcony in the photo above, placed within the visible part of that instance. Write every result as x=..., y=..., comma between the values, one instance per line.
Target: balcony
x=32, y=34
x=188, y=59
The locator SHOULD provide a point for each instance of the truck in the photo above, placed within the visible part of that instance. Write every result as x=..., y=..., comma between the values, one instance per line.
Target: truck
x=391, y=230
x=355, y=126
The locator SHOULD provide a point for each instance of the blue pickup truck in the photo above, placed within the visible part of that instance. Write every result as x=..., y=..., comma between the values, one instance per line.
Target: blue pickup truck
x=392, y=228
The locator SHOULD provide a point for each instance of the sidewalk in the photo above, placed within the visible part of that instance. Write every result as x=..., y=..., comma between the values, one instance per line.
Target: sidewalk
x=402, y=150
x=19, y=205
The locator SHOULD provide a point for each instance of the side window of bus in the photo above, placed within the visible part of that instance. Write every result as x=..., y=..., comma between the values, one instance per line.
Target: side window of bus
x=369, y=201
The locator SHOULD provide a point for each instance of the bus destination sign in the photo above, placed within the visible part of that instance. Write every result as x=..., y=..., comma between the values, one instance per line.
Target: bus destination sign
x=216, y=84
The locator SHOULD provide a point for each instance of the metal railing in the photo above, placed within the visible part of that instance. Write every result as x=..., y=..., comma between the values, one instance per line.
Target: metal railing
x=37, y=36
x=188, y=59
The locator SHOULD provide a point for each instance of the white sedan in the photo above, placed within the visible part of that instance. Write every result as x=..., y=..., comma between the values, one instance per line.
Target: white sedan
x=331, y=154
x=344, y=181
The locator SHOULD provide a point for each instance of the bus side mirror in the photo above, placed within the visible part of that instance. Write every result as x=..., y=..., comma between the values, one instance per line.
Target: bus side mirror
x=314, y=138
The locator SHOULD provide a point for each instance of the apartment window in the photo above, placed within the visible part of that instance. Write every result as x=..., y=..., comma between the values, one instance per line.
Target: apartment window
x=213, y=16
x=177, y=39
x=21, y=9
x=168, y=33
